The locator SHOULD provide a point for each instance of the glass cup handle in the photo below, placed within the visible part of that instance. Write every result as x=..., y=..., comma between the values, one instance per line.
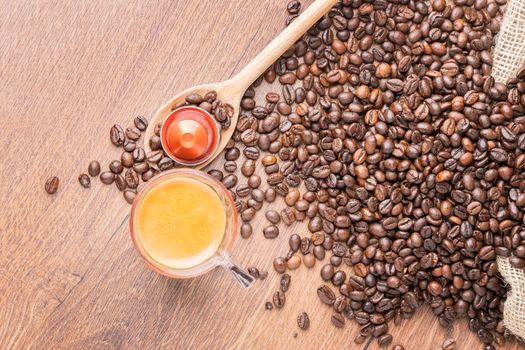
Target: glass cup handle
x=237, y=272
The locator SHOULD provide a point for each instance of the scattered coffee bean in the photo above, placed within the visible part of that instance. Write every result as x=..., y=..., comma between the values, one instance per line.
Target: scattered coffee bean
x=285, y=282
x=126, y=159
x=273, y=216
x=116, y=166
x=309, y=260
x=279, y=265
x=326, y=294
x=84, y=180
x=338, y=320
x=271, y=231
x=51, y=185
x=279, y=299
x=246, y=230
x=133, y=133
x=117, y=135
x=107, y=177
x=120, y=182
x=141, y=123
x=294, y=262
x=129, y=195
x=94, y=168
x=132, y=179
x=303, y=321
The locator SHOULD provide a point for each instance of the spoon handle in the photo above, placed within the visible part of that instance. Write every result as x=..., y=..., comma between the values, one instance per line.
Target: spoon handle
x=281, y=43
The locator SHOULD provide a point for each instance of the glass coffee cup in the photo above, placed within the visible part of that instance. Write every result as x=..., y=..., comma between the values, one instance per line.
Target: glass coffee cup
x=184, y=223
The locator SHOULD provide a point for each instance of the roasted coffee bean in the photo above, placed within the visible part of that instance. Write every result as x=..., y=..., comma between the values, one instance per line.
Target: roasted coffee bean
x=327, y=272
x=270, y=195
x=243, y=191
x=165, y=164
x=132, y=179
x=293, y=7
x=230, y=181
x=51, y=185
x=148, y=175
x=303, y=321
x=254, y=181
x=141, y=167
x=248, y=167
x=232, y=154
x=129, y=195
x=84, y=180
x=129, y=146
x=273, y=216
x=384, y=340
x=271, y=231
x=230, y=166
x=117, y=135
x=139, y=155
x=251, y=153
x=126, y=159
x=141, y=123
x=309, y=260
x=154, y=156
x=285, y=282
x=326, y=294
x=279, y=299
x=120, y=182
x=279, y=265
x=154, y=143
x=294, y=242
x=133, y=133
x=246, y=230
x=338, y=320
x=248, y=214
x=94, y=168
x=294, y=262
x=217, y=174
x=116, y=166
x=107, y=177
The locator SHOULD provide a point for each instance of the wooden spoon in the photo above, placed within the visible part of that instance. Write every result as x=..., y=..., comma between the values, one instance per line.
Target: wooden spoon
x=232, y=90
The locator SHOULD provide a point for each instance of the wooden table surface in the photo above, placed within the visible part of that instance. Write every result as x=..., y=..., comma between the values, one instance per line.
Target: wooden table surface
x=69, y=276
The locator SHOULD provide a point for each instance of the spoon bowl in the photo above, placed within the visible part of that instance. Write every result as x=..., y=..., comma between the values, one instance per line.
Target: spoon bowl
x=226, y=91
x=231, y=90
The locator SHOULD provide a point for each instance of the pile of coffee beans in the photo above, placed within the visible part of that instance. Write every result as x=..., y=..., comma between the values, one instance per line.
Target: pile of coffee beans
x=387, y=134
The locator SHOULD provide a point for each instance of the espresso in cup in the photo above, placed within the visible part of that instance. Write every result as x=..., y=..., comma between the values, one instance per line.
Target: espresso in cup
x=180, y=222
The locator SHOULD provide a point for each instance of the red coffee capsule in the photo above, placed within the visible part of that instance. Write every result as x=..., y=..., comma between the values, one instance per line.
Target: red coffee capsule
x=190, y=135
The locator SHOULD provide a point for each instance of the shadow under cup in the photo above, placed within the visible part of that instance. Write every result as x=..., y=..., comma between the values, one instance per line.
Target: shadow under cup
x=220, y=257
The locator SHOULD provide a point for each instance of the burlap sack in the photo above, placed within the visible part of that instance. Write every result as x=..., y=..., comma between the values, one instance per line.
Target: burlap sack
x=508, y=57
x=509, y=53
x=514, y=307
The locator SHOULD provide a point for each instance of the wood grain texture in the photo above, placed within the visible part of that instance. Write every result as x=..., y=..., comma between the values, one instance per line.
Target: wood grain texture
x=69, y=277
